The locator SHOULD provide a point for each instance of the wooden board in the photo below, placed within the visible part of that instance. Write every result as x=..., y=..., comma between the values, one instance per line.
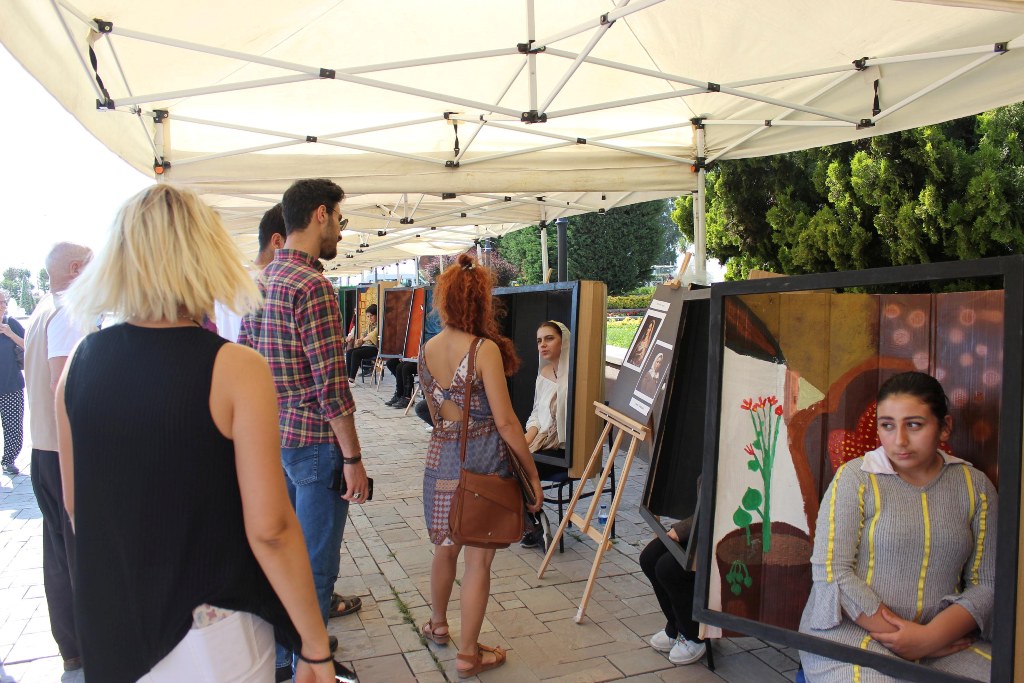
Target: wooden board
x=395, y=315
x=415, y=335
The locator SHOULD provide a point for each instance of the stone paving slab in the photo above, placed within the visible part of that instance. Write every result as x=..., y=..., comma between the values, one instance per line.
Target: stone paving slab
x=386, y=560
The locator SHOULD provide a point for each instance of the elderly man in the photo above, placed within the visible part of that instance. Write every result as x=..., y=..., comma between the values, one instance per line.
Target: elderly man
x=48, y=343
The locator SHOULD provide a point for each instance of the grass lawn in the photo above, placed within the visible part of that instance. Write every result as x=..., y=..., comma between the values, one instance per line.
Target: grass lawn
x=621, y=332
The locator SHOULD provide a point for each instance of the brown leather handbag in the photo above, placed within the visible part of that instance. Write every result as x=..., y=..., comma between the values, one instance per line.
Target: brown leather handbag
x=487, y=509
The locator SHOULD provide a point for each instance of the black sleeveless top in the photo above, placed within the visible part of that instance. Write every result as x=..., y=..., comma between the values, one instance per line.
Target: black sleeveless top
x=158, y=513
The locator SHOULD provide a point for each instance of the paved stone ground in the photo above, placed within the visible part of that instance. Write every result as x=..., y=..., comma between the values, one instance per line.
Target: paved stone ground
x=386, y=559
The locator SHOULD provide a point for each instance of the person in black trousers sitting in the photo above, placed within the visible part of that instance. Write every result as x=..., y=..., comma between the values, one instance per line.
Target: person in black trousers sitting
x=673, y=586
x=403, y=370
x=362, y=348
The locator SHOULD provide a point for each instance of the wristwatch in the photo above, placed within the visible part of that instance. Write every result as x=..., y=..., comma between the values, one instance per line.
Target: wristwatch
x=353, y=460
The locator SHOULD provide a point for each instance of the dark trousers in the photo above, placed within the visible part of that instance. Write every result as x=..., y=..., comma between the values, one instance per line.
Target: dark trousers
x=403, y=370
x=673, y=586
x=58, y=551
x=355, y=357
x=423, y=412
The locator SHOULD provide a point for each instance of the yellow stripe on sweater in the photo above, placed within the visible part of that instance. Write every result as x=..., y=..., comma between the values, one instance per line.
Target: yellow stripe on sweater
x=980, y=543
x=856, y=667
x=970, y=489
x=927, y=552
x=871, y=532
x=832, y=527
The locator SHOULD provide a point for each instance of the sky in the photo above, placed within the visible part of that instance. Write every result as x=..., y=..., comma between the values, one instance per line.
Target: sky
x=57, y=182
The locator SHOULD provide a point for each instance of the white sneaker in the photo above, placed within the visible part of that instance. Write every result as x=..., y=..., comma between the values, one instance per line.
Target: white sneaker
x=686, y=651
x=661, y=642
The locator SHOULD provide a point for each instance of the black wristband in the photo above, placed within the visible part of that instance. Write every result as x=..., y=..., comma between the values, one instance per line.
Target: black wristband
x=353, y=460
x=307, y=660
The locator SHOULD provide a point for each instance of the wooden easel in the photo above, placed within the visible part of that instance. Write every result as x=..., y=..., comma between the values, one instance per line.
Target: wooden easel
x=637, y=433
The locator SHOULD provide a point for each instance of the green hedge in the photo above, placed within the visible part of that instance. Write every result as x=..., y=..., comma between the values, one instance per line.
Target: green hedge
x=631, y=301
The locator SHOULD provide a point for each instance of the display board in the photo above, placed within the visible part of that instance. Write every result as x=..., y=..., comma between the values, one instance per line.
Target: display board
x=794, y=367
x=650, y=358
x=395, y=316
x=582, y=307
x=677, y=457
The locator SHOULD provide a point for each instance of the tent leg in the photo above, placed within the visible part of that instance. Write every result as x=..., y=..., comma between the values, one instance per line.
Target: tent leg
x=543, y=252
x=700, y=237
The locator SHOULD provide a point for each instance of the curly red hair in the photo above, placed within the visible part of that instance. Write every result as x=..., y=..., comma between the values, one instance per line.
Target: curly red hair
x=463, y=299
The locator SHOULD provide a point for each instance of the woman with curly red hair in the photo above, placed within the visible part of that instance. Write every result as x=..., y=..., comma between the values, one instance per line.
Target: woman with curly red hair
x=463, y=300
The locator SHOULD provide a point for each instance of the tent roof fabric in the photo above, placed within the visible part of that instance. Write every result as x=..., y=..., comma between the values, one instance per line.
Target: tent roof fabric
x=476, y=118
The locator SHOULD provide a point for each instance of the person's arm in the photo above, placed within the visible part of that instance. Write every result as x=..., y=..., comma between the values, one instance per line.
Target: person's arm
x=492, y=372
x=14, y=331
x=243, y=402
x=533, y=422
x=318, y=320
x=971, y=608
x=834, y=559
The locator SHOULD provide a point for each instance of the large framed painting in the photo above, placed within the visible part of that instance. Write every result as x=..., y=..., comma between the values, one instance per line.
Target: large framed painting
x=582, y=307
x=415, y=334
x=395, y=317
x=347, y=302
x=794, y=367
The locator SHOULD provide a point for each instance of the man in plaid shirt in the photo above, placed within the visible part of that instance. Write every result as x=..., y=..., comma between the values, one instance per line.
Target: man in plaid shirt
x=299, y=333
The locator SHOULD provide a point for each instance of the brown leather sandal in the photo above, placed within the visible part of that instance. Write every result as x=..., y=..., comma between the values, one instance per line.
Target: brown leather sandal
x=478, y=660
x=429, y=632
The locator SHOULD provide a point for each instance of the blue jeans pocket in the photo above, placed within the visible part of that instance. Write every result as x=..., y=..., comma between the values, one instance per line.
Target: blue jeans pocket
x=302, y=465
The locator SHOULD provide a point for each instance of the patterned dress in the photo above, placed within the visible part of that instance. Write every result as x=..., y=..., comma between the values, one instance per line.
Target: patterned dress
x=917, y=549
x=486, y=451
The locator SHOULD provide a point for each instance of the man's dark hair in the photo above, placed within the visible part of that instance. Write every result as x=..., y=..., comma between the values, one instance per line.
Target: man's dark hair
x=304, y=197
x=271, y=224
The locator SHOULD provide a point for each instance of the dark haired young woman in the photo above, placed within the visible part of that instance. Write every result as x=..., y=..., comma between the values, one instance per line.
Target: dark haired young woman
x=463, y=299
x=904, y=553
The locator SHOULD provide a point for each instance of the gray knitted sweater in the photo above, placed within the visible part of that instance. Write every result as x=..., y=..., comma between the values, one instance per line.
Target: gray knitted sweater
x=916, y=549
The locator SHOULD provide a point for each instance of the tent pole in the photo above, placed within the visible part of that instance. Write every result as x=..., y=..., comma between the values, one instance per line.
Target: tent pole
x=78, y=53
x=591, y=44
x=543, y=251
x=937, y=84
x=563, y=250
x=611, y=16
x=699, y=224
x=531, y=57
x=213, y=89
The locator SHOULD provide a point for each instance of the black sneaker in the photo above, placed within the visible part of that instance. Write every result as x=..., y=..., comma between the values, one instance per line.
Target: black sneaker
x=391, y=401
x=402, y=402
x=531, y=539
x=11, y=470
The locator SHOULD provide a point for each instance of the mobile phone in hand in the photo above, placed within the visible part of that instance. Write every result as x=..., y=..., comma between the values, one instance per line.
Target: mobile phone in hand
x=369, y=488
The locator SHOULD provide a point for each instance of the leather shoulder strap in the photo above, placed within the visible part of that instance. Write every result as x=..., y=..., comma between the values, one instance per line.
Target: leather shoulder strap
x=474, y=346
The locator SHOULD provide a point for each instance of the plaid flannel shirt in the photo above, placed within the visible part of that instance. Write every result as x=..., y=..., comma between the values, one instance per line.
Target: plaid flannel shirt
x=299, y=333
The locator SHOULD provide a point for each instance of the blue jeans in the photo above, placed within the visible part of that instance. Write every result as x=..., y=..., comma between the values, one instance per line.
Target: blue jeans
x=322, y=513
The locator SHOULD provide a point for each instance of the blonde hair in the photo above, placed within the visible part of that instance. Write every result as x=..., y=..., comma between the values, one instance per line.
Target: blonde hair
x=167, y=251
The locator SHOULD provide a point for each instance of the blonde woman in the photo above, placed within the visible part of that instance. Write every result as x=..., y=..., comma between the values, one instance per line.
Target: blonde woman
x=189, y=554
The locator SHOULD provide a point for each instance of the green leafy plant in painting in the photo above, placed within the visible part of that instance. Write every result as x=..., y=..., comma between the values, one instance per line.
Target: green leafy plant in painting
x=738, y=577
x=766, y=416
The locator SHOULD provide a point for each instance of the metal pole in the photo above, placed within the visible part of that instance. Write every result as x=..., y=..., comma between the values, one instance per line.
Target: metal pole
x=700, y=238
x=543, y=252
x=562, y=224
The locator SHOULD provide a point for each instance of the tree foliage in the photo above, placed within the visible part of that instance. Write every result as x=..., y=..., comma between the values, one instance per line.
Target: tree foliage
x=618, y=247
x=17, y=282
x=505, y=271
x=945, y=192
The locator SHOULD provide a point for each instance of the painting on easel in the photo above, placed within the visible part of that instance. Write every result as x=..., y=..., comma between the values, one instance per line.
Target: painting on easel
x=796, y=364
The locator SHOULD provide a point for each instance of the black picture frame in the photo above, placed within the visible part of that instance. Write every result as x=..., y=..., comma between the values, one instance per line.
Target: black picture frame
x=525, y=309
x=677, y=457
x=1011, y=270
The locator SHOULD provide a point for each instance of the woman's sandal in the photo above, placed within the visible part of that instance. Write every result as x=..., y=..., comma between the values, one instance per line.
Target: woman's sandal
x=478, y=660
x=429, y=632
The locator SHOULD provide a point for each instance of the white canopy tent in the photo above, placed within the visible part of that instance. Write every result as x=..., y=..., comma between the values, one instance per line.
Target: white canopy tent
x=448, y=122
